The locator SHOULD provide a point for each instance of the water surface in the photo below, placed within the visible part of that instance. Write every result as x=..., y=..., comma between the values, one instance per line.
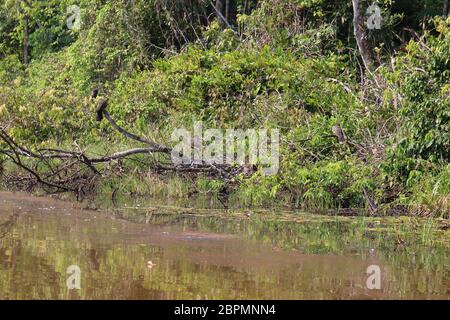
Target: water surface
x=159, y=254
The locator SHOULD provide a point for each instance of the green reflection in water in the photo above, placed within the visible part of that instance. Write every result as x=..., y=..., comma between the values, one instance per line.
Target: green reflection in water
x=214, y=256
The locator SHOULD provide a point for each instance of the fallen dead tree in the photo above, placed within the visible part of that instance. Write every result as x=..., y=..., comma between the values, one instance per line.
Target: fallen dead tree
x=76, y=171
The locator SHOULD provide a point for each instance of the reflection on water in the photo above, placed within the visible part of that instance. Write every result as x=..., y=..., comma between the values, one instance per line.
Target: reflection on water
x=211, y=257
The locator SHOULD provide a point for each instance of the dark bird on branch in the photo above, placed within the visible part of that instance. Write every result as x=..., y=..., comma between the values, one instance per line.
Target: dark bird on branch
x=94, y=93
x=102, y=105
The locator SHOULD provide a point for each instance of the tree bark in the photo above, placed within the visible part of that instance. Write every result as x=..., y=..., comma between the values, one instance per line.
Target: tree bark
x=361, y=37
x=26, y=35
x=445, y=8
x=231, y=11
x=226, y=12
x=220, y=12
x=26, y=40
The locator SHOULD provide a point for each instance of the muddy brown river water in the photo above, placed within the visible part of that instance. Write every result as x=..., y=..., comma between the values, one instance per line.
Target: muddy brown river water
x=210, y=256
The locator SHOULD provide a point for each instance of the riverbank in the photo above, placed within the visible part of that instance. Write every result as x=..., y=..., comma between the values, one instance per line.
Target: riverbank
x=133, y=184
x=351, y=136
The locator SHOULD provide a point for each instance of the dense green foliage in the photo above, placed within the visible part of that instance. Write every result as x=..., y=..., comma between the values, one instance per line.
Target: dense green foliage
x=292, y=65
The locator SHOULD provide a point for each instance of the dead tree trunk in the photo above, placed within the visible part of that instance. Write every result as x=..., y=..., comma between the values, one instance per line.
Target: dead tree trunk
x=361, y=37
x=67, y=169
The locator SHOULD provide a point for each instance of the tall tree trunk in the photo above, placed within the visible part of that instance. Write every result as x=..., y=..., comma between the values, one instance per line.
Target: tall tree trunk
x=445, y=8
x=26, y=40
x=231, y=11
x=220, y=10
x=224, y=8
x=220, y=5
x=227, y=10
x=361, y=37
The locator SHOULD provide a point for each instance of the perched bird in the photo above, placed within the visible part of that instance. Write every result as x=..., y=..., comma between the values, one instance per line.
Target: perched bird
x=339, y=133
x=94, y=93
x=102, y=105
